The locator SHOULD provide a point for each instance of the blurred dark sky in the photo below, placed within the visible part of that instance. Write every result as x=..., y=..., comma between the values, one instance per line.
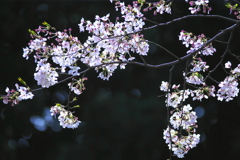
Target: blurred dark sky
x=123, y=118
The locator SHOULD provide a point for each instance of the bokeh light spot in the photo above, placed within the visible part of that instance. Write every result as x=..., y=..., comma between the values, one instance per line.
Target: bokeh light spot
x=200, y=111
x=38, y=123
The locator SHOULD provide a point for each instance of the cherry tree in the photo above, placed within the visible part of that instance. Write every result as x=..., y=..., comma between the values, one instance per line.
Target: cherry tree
x=113, y=45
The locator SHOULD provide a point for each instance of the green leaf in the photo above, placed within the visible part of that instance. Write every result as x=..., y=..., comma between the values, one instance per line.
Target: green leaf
x=77, y=106
x=47, y=25
x=228, y=5
x=141, y=1
x=32, y=32
x=58, y=104
x=22, y=81
x=235, y=6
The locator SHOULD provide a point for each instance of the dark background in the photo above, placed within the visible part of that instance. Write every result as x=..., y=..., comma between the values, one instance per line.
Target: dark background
x=122, y=118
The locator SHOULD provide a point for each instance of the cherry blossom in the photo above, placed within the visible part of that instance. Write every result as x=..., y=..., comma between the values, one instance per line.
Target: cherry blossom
x=77, y=86
x=164, y=86
x=195, y=78
x=66, y=118
x=15, y=96
x=45, y=75
x=196, y=42
x=199, y=65
x=180, y=145
x=228, y=64
x=196, y=6
x=203, y=93
x=228, y=89
x=184, y=118
x=114, y=44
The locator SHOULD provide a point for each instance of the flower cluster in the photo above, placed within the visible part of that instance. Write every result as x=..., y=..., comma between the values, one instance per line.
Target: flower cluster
x=175, y=98
x=194, y=78
x=203, y=92
x=109, y=45
x=182, y=118
x=66, y=118
x=77, y=86
x=196, y=42
x=199, y=65
x=180, y=145
x=15, y=96
x=45, y=76
x=196, y=6
x=51, y=58
x=113, y=42
x=228, y=88
x=159, y=7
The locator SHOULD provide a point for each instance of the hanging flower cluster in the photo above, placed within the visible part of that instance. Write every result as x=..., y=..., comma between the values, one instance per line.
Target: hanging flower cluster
x=181, y=133
x=182, y=119
x=66, y=118
x=195, y=43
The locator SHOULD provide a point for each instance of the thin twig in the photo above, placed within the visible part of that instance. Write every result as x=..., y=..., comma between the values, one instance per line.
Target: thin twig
x=158, y=45
x=222, y=57
x=168, y=110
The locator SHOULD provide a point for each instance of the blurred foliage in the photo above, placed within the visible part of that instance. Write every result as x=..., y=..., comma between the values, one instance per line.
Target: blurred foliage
x=122, y=118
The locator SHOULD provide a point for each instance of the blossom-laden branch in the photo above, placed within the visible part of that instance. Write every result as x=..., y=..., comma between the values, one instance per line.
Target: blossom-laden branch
x=111, y=45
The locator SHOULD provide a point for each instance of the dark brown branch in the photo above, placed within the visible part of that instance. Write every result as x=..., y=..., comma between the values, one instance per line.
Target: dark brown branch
x=191, y=16
x=143, y=59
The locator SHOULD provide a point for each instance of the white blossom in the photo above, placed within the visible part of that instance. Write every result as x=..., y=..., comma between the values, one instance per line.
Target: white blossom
x=73, y=70
x=24, y=93
x=195, y=78
x=228, y=89
x=228, y=64
x=66, y=118
x=196, y=42
x=45, y=76
x=179, y=144
x=164, y=86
